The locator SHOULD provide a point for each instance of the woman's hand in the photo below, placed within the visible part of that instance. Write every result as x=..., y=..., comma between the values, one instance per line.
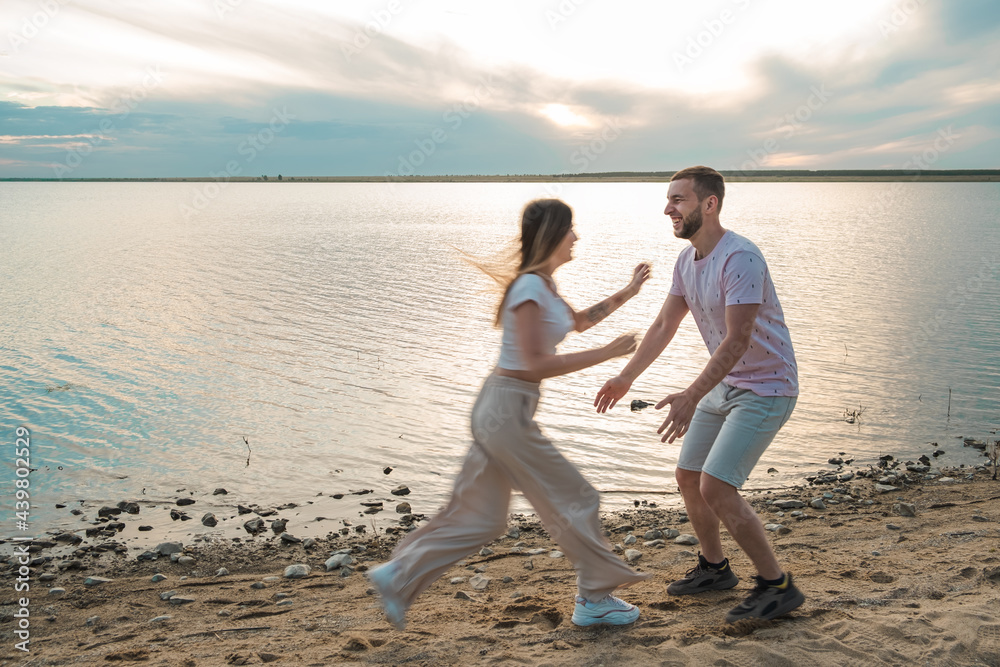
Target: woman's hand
x=622, y=345
x=640, y=274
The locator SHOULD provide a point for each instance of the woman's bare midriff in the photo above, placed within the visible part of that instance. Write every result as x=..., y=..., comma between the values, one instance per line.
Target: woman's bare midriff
x=527, y=376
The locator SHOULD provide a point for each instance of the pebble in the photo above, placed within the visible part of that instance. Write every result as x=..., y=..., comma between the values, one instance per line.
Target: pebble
x=556, y=554
x=166, y=595
x=630, y=539
x=185, y=561
x=297, y=571
x=48, y=576
x=254, y=526
x=508, y=580
x=632, y=555
x=129, y=508
x=337, y=561
x=516, y=594
x=224, y=612
x=457, y=580
x=403, y=508
x=514, y=533
x=529, y=565
x=93, y=620
x=788, y=504
x=486, y=551
x=181, y=502
x=222, y=572
x=157, y=578
x=219, y=492
x=778, y=528
x=905, y=509
x=479, y=582
x=671, y=533
x=278, y=525
x=653, y=535
x=886, y=488
x=876, y=553
x=480, y=569
x=817, y=503
x=892, y=526
x=689, y=540
x=161, y=619
x=167, y=548
x=309, y=543
x=290, y=539
x=178, y=600
x=285, y=603
x=95, y=581
x=654, y=543
x=462, y=595
x=56, y=592
x=798, y=513
x=537, y=552
x=401, y=490
x=209, y=520
x=258, y=585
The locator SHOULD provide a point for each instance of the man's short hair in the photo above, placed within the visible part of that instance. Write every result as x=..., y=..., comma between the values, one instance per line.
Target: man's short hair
x=707, y=181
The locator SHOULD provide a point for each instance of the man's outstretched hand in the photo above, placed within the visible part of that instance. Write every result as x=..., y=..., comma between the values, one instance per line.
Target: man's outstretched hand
x=682, y=408
x=613, y=390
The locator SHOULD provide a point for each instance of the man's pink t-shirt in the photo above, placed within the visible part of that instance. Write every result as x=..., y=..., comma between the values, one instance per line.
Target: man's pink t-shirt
x=735, y=273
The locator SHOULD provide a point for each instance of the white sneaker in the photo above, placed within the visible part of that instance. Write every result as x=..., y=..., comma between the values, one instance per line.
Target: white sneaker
x=609, y=610
x=382, y=577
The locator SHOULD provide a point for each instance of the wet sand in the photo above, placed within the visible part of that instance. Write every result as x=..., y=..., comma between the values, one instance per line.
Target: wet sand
x=881, y=588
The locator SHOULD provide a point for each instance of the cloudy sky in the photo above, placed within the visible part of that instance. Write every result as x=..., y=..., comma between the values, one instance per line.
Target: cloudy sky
x=105, y=88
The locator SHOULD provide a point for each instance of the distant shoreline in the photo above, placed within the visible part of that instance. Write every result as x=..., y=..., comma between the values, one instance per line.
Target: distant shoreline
x=790, y=176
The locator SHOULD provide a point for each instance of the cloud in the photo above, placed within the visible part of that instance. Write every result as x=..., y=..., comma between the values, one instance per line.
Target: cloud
x=392, y=104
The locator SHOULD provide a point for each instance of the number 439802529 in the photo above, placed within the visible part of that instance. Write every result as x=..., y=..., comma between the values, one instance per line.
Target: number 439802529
x=22, y=469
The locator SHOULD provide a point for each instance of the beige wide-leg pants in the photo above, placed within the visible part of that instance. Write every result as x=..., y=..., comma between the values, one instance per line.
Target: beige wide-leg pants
x=509, y=452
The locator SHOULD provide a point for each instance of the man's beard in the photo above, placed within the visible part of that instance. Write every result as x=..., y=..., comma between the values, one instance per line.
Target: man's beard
x=690, y=224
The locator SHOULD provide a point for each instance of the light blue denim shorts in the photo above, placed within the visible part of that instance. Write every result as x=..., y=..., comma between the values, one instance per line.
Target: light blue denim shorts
x=730, y=430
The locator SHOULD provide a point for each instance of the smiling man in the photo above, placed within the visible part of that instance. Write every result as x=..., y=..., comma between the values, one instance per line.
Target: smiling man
x=733, y=410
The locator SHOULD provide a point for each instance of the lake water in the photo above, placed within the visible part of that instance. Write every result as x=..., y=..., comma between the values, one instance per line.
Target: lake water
x=335, y=327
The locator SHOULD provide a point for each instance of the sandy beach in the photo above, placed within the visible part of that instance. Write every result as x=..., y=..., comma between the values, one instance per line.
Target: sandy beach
x=882, y=588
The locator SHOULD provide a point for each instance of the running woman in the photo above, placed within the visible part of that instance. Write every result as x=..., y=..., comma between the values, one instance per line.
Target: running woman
x=509, y=450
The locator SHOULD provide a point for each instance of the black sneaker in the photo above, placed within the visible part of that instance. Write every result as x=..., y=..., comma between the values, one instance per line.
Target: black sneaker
x=704, y=578
x=767, y=602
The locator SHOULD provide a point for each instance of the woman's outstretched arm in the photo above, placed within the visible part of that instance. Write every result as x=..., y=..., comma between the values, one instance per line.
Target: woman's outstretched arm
x=528, y=319
x=588, y=317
